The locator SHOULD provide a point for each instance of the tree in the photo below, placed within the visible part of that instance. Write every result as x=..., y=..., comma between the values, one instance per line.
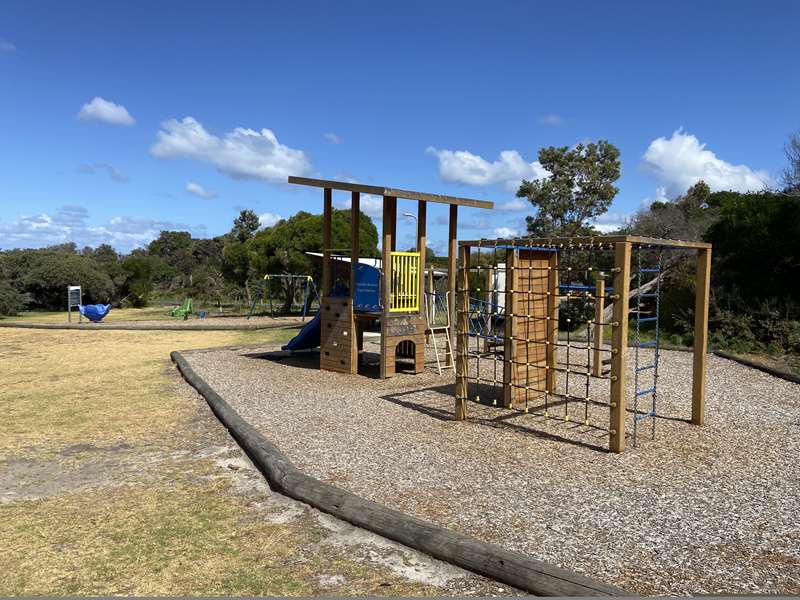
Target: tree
x=245, y=225
x=791, y=175
x=11, y=301
x=687, y=217
x=580, y=187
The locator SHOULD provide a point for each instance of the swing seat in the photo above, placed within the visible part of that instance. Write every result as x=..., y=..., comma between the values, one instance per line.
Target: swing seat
x=94, y=312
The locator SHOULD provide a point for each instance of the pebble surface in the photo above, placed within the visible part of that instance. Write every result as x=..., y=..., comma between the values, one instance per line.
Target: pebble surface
x=698, y=510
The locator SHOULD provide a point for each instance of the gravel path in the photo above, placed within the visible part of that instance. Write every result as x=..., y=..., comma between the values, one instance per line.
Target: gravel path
x=697, y=510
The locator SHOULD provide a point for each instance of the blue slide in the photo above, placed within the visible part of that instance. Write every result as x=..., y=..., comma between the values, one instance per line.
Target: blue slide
x=308, y=337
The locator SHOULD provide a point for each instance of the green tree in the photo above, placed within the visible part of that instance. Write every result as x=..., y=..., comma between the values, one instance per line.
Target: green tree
x=11, y=301
x=791, y=175
x=580, y=188
x=687, y=217
x=245, y=225
x=47, y=280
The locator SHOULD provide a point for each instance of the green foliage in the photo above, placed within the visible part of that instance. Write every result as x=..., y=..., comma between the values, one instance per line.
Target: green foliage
x=757, y=244
x=580, y=188
x=11, y=301
x=687, y=217
x=49, y=273
x=140, y=273
x=245, y=225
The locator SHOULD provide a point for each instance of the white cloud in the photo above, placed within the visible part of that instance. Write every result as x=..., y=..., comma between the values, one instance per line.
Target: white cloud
x=509, y=170
x=608, y=222
x=113, y=173
x=269, y=219
x=681, y=161
x=516, y=204
x=70, y=224
x=661, y=196
x=506, y=232
x=370, y=205
x=100, y=109
x=332, y=138
x=241, y=153
x=198, y=190
x=6, y=46
x=551, y=119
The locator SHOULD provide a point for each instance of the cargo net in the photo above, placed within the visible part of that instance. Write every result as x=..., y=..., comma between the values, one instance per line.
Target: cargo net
x=539, y=322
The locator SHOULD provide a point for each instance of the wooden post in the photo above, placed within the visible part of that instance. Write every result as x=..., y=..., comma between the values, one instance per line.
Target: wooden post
x=619, y=345
x=452, y=249
x=431, y=298
x=422, y=245
x=327, y=216
x=490, y=303
x=599, y=307
x=355, y=238
x=552, y=323
x=462, y=336
x=389, y=218
x=702, y=288
x=509, y=333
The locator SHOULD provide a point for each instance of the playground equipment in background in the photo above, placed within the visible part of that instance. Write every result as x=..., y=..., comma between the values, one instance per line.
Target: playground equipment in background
x=94, y=312
x=518, y=357
x=183, y=311
x=391, y=295
x=304, y=293
x=74, y=300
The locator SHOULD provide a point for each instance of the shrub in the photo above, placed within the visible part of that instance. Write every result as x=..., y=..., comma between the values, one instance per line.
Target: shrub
x=11, y=301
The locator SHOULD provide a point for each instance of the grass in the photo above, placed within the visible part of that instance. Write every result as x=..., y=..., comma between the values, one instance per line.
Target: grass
x=150, y=313
x=159, y=519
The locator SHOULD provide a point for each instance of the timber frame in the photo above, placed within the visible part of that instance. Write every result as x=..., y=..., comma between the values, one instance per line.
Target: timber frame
x=403, y=329
x=620, y=248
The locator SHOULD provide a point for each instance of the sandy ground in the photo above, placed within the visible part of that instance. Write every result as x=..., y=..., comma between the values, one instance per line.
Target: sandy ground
x=697, y=510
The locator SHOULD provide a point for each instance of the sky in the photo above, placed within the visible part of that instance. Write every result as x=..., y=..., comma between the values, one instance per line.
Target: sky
x=118, y=119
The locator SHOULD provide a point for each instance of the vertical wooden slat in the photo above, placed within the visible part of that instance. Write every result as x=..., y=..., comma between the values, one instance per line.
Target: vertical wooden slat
x=599, y=306
x=452, y=249
x=702, y=291
x=422, y=244
x=619, y=345
x=327, y=216
x=462, y=337
x=355, y=241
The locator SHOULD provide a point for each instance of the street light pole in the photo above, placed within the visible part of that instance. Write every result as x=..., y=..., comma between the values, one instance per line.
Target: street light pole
x=413, y=216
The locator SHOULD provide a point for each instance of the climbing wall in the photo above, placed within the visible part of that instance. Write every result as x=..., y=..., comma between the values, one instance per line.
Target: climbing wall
x=527, y=305
x=338, y=343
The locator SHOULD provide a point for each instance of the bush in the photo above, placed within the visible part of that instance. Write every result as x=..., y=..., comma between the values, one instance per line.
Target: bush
x=11, y=301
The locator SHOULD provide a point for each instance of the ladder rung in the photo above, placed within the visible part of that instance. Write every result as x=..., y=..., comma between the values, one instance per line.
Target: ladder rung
x=640, y=369
x=652, y=390
x=650, y=344
x=652, y=413
x=648, y=295
x=656, y=270
x=647, y=319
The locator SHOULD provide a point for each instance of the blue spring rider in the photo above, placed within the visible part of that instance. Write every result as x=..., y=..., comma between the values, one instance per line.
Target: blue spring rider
x=94, y=312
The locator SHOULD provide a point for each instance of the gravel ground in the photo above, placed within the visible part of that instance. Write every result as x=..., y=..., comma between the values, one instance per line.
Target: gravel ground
x=697, y=510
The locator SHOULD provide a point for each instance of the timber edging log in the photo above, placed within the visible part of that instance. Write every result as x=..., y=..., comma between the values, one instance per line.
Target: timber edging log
x=489, y=560
x=754, y=365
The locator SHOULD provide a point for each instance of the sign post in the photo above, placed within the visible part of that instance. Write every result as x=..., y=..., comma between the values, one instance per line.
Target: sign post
x=74, y=297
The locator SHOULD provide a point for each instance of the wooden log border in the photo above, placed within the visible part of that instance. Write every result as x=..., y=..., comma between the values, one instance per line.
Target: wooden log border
x=133, y=327
x=489, y=560
x=766, y=369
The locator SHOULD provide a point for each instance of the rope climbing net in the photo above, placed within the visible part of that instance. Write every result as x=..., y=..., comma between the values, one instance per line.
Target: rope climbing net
x=534, y=318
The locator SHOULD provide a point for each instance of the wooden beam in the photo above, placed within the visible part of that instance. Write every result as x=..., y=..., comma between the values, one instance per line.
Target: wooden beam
x=392, y=192
x=389, y=218
x=452, y=249
x=327, y=217
x=600, y=239
x=702, y=290
x=462, y=336
x=619, y=346
x=509, y=332
x=422, y=244
x=355, y=238
x=599, y=307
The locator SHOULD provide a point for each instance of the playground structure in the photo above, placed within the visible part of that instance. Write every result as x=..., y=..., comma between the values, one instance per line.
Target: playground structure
x=531, y=315
x=184, y=310
x=301, y=287
x=392, y=295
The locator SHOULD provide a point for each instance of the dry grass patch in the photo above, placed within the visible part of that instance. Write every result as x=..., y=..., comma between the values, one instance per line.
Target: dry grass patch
x=98, y=387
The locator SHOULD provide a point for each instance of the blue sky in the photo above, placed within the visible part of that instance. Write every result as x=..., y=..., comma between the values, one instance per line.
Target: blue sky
x=112, y=114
